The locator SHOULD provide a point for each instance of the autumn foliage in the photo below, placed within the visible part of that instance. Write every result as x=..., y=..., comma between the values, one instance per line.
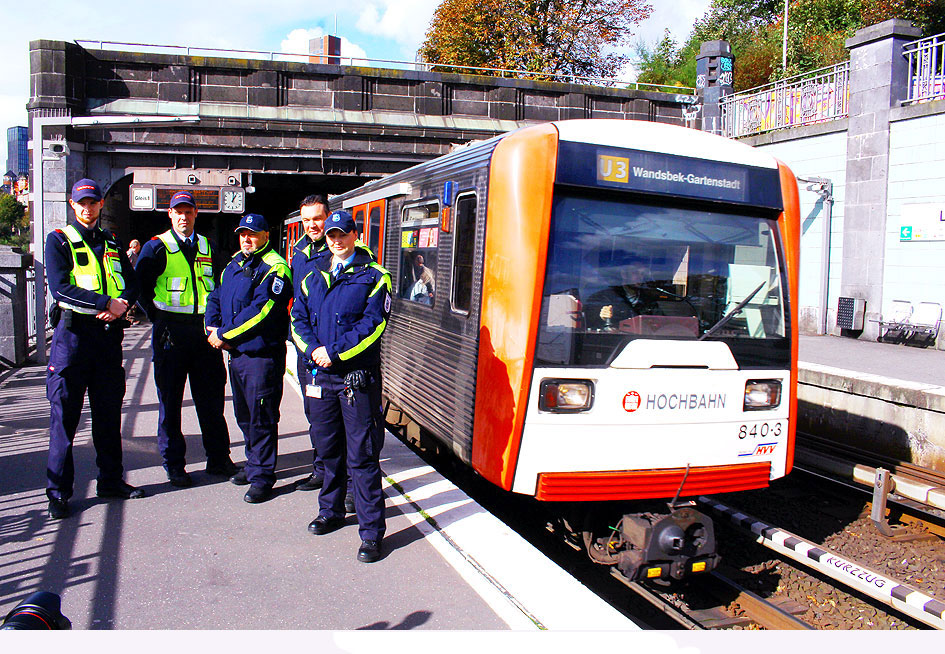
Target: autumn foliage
x=541, y=36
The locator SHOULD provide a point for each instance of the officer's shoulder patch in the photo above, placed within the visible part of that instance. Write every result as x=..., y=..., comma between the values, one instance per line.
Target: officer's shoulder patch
x=277, y=285
x=387, y=303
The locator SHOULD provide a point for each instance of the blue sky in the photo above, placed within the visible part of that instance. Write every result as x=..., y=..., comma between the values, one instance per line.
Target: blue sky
x=378, y=29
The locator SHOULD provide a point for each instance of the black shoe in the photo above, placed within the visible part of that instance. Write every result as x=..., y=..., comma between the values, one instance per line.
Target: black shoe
x=57, y=509
x=369, y=552
x=222, y=467
x=239, y=479
x=313, y=482
x=321, y=526
x=349, y=502
x=257, y=494
x=120, y=490
x=179, y=478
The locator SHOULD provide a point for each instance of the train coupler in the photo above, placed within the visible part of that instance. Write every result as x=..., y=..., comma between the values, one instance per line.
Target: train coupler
x=666, y=546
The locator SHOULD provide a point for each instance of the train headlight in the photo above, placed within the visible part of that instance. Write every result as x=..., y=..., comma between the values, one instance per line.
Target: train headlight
x=762, y=394
x=566, y=395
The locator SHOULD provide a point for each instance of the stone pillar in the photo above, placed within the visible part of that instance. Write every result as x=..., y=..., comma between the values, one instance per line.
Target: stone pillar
x=714, y=80
x=878, y=81
x=13, y=305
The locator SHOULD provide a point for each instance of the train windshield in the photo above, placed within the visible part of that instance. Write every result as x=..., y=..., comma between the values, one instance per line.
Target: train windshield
x=620, y=270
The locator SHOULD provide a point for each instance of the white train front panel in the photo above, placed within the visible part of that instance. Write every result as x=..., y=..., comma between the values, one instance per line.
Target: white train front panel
x=660, y=405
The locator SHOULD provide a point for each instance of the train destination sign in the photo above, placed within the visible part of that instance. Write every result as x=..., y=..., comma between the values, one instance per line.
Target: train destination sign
x=653, y=172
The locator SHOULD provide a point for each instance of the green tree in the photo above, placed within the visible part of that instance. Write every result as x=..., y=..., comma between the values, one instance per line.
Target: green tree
x=540, y=36
x=14, y=222
x=817, y=32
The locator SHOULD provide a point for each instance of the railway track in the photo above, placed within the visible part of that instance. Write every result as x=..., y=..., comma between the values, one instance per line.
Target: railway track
x=715, y=601
x=852, y=575
x=912, y=489
x=737, y=606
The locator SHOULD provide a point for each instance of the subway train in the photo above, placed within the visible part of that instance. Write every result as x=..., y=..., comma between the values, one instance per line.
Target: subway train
x=598, y=314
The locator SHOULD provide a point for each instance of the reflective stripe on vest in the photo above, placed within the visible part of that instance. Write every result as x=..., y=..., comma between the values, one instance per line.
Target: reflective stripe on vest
x=174, y=288
x=89, y=276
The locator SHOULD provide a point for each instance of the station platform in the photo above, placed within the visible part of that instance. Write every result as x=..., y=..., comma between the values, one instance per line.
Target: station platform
x=884, y=398
x=202, y=558
x=889, y=360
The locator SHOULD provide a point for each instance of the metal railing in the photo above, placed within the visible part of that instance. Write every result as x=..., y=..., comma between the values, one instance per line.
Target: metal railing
x=926, y=59
x=31, y=310
x=339, y=60
x=814, y=97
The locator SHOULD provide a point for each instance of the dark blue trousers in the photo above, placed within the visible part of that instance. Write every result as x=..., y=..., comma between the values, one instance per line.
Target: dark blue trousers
x=184, y=354
x=84, y=358
x=350, y=435
x=257, y=393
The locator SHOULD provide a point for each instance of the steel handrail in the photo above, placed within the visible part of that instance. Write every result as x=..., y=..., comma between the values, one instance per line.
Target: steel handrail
x=926, y=59
x=422, y=65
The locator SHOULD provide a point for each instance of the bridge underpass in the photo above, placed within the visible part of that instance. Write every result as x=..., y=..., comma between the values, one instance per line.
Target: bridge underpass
x=293, y=127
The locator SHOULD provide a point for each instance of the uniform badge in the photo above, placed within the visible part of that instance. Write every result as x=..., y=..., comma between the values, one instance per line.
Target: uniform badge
x=387, y=303
x=277, y=285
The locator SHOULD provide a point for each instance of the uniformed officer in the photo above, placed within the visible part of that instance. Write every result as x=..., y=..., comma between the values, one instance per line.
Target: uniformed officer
x=313, y=212
x=176, y=271
x=338, y=321
x=93, y=284
x=248, y=315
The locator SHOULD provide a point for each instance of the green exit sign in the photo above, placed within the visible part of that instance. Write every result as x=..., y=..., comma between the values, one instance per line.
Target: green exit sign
x=905, y=233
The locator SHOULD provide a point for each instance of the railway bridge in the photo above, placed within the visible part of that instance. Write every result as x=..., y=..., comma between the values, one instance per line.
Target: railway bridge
x=264, y=130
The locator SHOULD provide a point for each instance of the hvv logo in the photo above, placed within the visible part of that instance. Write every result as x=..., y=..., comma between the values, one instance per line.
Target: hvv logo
x=761, y=449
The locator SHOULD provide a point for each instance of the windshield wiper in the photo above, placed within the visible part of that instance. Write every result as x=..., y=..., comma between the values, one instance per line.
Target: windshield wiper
x=728, y=316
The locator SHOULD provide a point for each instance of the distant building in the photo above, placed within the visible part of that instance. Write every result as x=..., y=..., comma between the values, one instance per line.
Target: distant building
x=17, y=155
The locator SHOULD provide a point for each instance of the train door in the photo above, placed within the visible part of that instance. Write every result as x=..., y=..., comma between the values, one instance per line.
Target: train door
x=292, y=230
x=374, y=229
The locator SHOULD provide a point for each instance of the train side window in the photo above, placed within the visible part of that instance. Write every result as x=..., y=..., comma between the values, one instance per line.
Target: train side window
x=359, y=220
x=418, y=257
x=464, y=244
x=374, y=231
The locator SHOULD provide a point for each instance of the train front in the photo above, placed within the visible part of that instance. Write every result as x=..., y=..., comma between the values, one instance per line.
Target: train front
x=664, y=356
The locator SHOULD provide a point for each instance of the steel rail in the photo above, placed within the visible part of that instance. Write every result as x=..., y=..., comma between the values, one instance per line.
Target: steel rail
x=760, y=610
x=656, y=599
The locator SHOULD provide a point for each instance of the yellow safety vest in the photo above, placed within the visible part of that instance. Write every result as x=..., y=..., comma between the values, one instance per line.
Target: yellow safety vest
x=174, y=289
x=89, y=275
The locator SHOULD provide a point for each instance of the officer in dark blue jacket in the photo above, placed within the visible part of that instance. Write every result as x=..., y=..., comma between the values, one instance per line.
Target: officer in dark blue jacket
x=248, y=315
x=313, y=212
x=93, y=285
x=337, y=323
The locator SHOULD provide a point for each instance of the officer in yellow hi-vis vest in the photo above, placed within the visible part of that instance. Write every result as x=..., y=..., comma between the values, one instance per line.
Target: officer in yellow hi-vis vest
x=176, y=271
x=92, y=284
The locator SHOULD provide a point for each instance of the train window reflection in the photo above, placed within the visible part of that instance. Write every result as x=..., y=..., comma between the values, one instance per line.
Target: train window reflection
x=418, y=247
x=619, y=271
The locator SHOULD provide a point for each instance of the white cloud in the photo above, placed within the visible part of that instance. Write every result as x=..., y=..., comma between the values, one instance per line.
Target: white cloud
x=675, y=15
x=297, y=42
x=404, y=21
